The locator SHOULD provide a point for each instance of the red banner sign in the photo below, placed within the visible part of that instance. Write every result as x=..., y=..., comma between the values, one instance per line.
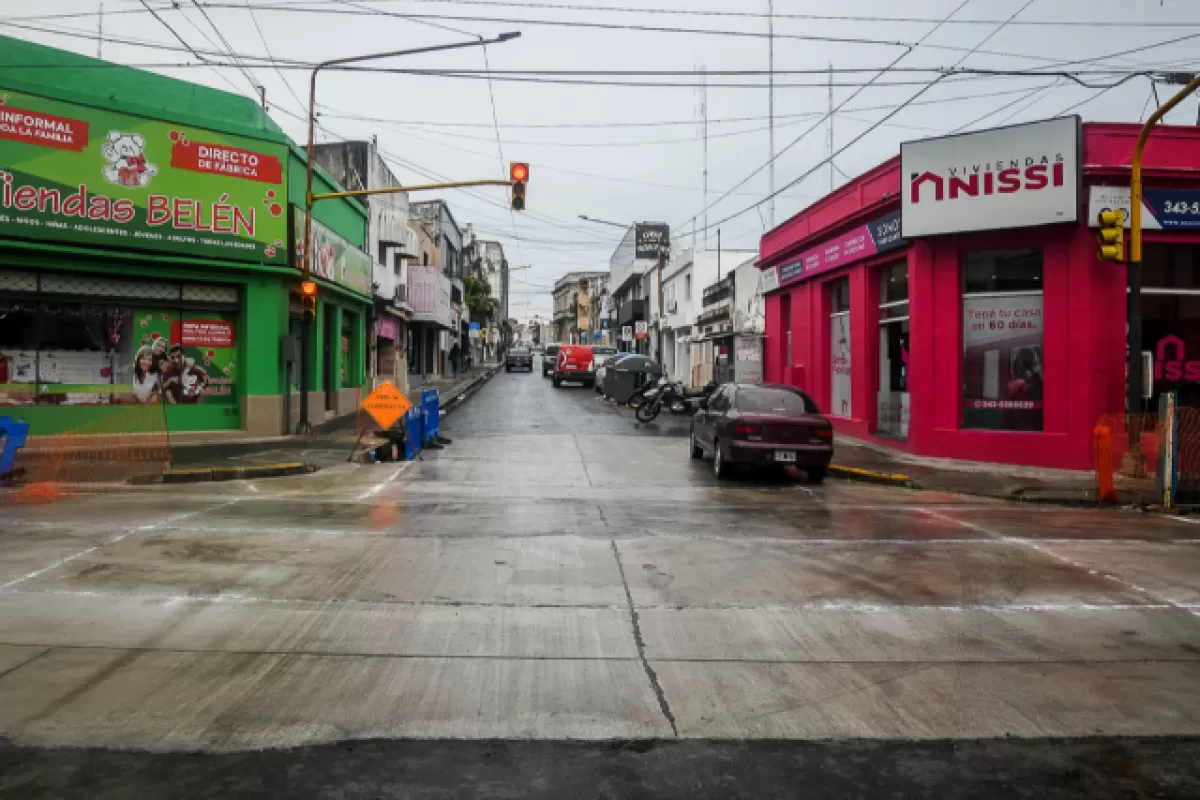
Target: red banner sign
x=220, y=159
x=46, y=130
x=207, y=333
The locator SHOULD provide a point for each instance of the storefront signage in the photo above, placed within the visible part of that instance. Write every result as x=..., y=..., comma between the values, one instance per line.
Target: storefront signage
x=1012, y=177
x=429, y=295
x=1162, y=209
x=877, y=236
x=473, y=330
x=70, y=173
x=650, y=239
x=641, y=330
x=1002, y=363
x=388, y=329
x=207, y=333
x=216, y=159
x=627, y=333
x=334, y=258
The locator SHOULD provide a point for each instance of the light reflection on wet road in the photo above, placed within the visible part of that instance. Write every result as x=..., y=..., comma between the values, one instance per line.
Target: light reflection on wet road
x=561, y=572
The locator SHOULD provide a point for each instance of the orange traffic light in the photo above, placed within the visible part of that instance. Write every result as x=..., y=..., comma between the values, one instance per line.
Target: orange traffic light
x=518, y=171
x=308, y=300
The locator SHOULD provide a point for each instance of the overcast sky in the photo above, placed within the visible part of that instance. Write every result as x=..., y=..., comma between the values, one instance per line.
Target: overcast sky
x=586, y=157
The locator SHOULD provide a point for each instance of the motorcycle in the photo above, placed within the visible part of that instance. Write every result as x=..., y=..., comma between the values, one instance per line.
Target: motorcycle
x=673, y=396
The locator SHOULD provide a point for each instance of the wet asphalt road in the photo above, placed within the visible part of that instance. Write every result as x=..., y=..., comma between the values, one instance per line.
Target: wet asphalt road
x=560, y=573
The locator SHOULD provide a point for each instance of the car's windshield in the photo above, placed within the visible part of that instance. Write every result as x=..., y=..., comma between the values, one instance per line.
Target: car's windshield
x=519, y=351
x=762, y=400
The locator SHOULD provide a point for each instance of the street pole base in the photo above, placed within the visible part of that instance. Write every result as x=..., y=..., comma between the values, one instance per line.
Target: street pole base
x=304, y=429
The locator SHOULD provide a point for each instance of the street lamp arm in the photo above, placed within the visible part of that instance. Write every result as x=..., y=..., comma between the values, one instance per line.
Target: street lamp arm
x=306, y=262
x=586, y=218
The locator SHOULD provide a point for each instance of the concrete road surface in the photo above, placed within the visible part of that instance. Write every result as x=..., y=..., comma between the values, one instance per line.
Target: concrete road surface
x=568, y=588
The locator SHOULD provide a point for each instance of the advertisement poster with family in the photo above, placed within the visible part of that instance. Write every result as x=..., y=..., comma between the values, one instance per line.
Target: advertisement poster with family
x=183, y=359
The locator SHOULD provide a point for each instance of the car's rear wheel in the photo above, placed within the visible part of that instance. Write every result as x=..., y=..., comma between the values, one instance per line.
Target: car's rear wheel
x=694, y=448
x=721, y=467
x=557, y=383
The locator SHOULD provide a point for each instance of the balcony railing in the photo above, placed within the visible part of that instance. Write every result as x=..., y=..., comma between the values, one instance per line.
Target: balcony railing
x=721, y=290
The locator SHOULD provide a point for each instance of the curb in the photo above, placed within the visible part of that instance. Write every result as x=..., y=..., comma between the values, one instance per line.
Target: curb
x=470, y=388
x=235, y=473
x=867, y=476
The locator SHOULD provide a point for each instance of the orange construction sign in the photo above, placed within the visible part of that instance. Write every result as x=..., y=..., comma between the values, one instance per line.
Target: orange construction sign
x=386, y=405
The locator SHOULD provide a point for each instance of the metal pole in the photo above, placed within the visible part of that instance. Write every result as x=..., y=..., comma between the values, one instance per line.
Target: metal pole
x=771, y=105
x=661, y=257
x=306, y=325
x=1134, y=267
x=718, y=254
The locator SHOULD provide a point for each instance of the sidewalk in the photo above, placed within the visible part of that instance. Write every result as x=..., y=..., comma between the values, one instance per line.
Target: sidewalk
x=855, y=459
x=332, y=443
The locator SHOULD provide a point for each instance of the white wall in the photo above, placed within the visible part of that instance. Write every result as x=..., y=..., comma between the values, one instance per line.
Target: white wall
x=749, y=312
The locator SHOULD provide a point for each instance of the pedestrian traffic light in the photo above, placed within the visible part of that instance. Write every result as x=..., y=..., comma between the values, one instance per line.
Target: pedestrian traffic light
x=308, y=300
x=1112, y=235
x=518, y=173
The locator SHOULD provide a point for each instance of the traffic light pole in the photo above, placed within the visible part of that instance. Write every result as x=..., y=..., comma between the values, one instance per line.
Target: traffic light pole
x=1134, y=266
x=306, y=324
x=661, y=319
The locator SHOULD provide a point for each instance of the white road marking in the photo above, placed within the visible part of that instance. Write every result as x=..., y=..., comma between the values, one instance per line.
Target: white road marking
x=140, y=529
x=1040, y=548
x=377, y=488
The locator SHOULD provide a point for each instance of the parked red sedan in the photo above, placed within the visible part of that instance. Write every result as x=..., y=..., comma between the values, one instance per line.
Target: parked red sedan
x=762, y=426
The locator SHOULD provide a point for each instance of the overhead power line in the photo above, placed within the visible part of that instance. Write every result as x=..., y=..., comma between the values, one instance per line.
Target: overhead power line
x=857, y=19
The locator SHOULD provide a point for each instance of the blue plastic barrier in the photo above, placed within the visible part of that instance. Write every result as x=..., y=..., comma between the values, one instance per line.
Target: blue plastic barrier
x=431, y=412
x=13, y=433
x=413, y=425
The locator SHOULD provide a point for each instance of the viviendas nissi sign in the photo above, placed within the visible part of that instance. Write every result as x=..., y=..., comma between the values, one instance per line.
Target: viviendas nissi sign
x=82, y=175
x=1012, y=177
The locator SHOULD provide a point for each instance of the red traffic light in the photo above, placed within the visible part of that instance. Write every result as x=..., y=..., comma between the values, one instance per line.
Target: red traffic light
x=308, y=288
x=518, y=171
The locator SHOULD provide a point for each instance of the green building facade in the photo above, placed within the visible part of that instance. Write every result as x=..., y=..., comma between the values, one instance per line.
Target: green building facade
x=150, y=234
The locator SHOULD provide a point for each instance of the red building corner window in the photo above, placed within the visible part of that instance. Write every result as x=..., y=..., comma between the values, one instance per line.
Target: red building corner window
x=1002, y=369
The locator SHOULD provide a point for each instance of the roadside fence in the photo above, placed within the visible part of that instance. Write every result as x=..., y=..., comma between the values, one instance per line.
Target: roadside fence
x=78, y=437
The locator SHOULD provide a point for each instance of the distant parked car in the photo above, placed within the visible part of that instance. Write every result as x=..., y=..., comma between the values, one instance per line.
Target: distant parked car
x=537, y=350
x=549, y=358
x=762, y=426
x=518, y=358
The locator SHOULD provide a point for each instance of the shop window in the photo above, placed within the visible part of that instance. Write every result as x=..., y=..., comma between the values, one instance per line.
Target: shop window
x=100, y=354
x=1171, y=320
x=839, y=343
x=785, y=311
x=1002, y=340
x=349, y=350
x=893, y=402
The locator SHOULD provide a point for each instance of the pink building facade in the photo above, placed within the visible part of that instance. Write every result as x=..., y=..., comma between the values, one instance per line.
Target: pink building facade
x=1000, y=336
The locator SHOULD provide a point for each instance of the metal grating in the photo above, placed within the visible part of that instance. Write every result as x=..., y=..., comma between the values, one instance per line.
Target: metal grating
x=203, y=293
x=108, y=287
x=14, y=281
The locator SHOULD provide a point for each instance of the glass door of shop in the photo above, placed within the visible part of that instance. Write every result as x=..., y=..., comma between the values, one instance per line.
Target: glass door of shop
x=839, y=343
x=1171, y=321
x=893, y=406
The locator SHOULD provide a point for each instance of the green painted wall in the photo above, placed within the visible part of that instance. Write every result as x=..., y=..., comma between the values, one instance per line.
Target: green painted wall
x=263, y=319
